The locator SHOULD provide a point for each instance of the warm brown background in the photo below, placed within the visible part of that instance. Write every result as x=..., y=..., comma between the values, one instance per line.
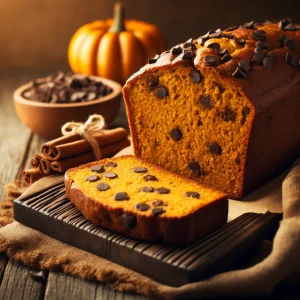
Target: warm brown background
x=35, y=33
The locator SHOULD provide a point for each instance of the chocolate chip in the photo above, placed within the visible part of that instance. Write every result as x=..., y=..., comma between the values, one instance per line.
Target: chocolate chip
x=200, y=41
x=142, y=207
x=78, y=96
x=192, y=195
x=111, y=164
x=195, y=76
x=291, y=60
x=214, y=46
x=162, y=190
x=153, y=60
x=284, y=22
x=257, y=57
x=215, y=35
x=150, y=178
x=244, y=65
x=228, y=115
x=245, y=114
x=206, y=101
x=226, y=58
x=161, y=92
x=269, y=60
x=97, y=169
x=188, y=55
x=249, y=25
x=157, y=211
x=152, y=82
x=92, y=178
x=259, y=35
x=176, y=50
x=103, y=186
x=121, y=196
x=240, y=41
x=290, y=44
x=290, y=27
x=156, y=203
x=215, y=148
x=193, y=165
x=110, y=175
x=189, y=44
x=211, y=60
x=261, y=45
x=238, y=73
x=221, y=52
x=129, y=220
x=147, y=189
x=228, y=35
x=232, y=28
x=282, y=39
x=140, y=170
x=176, y=134
x=39, y=276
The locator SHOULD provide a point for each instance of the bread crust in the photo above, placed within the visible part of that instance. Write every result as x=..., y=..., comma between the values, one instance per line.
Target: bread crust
x=173, y=231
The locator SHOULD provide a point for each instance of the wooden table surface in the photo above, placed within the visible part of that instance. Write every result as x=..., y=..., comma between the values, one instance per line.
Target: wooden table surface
x=18, y=145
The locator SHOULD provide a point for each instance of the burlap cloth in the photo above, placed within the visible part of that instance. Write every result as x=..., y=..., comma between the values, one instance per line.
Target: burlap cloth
x=274, y=264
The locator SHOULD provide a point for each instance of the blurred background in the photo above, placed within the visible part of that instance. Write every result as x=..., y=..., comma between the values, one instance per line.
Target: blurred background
x=35, y=33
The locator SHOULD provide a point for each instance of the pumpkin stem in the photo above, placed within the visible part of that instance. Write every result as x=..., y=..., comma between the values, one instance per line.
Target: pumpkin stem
x=119, y=16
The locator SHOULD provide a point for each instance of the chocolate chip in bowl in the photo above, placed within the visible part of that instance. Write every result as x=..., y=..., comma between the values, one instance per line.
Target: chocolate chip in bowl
x=45, y=104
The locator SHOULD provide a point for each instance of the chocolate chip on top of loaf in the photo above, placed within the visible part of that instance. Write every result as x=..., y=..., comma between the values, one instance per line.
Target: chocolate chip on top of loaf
x=221, y=108
x=171, y=208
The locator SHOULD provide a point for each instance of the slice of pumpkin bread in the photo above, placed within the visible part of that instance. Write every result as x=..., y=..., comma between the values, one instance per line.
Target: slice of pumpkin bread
x=141, y=200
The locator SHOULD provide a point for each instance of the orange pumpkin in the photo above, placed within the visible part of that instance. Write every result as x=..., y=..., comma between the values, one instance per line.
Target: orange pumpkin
x=114, y=48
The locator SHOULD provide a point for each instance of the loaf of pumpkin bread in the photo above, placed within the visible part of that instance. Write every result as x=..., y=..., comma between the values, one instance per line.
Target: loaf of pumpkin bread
x=134, y=197
x=224, y=108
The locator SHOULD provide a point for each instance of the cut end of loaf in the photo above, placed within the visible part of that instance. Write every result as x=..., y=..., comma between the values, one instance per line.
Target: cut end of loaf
x=194, y=123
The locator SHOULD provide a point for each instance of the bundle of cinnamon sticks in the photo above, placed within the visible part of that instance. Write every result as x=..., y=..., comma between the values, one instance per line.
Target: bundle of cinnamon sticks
x=61, y=154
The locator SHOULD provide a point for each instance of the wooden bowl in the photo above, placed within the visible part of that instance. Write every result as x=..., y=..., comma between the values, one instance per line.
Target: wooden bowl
x=46, y=119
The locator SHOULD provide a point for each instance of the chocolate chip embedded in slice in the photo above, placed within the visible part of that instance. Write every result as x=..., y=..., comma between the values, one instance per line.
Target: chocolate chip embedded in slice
x=176, y=134
x=162, y=190
x=129, y=220
x=157, y=211
x=189, y=44
x=259, y=35
x=150, y=178
x=193, y=165
x=111, y=164
x=140, y=170
x=228, y=115
x=147, y=189
x=97, y=169
x=249, y=25
x=195, y=76
x=238, y=73
x=102, y=187
x=110, y=175
x=215, y=148
x=153, y=60
x=206, y=101
x=176, y=50
x=221, y=52
x=92, y=178
x=211, y=60
x=290, y=43
x=192, y=195
x=269, y=60
x=121, y=196
x=226, y=58
x=261, y=45
x=257, y=57
x=244, y=65
x=157, y=203
x=232, y=28
x=241, y=42
x=161, y=92
x=215, y=35
x=142, y=207
x=188, y=55
x=152, y=82
x=291, y=60
x=214, y=46
x=282, y=39
x=290, y=27
x=228, y=35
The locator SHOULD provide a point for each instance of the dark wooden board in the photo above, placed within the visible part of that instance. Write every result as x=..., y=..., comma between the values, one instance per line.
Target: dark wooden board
x=51, y=212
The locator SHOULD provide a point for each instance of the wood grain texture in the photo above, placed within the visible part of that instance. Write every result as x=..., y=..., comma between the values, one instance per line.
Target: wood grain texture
x=61, y=286
x=18, y=284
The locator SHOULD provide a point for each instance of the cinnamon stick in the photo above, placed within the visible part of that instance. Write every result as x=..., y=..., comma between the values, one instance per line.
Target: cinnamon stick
x=31, y=175
x=69, y=146
x=74, y=161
